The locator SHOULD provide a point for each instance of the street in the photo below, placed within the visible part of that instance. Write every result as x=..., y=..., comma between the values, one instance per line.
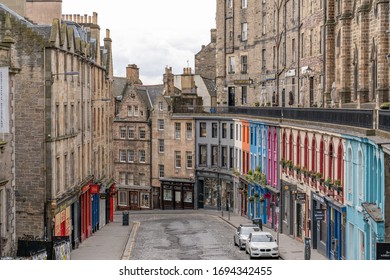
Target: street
x=189, y=236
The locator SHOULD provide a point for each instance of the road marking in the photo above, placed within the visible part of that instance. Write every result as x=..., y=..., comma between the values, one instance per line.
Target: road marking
x=130, y=242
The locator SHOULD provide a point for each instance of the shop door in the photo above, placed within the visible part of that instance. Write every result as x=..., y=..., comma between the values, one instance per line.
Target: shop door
x=200, y=194
x=134, y=200
x=178, y=200
x=232, y=97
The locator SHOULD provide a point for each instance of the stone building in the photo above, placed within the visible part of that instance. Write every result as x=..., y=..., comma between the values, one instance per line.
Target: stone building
x=132, y=137
x=168, y=143
x=301, y=53
x=7, y=156
x=205, y=59
x=58, y=80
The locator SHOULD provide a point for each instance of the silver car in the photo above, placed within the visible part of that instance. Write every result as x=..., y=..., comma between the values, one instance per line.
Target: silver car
x=242, y=234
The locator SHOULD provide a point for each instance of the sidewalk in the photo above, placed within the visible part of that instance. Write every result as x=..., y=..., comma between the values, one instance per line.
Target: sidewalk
x=113, y=241
x=289, y=248
x=108, y=243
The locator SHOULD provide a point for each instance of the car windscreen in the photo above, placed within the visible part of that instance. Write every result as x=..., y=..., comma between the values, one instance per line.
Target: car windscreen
x=247, y=230
x=262, y=238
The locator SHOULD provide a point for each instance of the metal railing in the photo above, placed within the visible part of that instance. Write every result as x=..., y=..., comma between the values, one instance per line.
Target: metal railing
x=363, y=118
x=384, y=120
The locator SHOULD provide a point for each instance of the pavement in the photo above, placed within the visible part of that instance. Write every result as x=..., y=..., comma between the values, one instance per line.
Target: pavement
x=114, y=241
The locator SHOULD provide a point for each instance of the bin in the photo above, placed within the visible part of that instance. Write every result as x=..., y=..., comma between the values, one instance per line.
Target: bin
x=125, y=218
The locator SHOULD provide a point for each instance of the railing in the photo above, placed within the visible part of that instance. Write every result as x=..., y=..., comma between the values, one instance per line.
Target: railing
x=351, y=117
x=384, y=120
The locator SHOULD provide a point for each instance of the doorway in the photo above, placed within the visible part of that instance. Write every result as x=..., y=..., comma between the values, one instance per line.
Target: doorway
x=232, y=96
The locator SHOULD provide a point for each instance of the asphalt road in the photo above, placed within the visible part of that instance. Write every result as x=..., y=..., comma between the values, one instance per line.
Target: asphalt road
x=183, y=237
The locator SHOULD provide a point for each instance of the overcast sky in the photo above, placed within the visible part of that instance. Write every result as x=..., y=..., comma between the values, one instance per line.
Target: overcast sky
x=151, y=33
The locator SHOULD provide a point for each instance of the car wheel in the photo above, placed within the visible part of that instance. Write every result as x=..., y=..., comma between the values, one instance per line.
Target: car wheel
x=234, y=241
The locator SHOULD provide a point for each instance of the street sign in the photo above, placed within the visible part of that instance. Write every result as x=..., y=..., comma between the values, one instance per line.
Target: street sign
x=319, y=214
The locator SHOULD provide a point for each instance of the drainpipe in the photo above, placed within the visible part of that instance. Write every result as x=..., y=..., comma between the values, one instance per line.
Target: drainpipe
x=324, y=56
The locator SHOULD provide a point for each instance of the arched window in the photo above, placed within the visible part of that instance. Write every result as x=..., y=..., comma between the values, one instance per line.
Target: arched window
x=284, y=147
x=291, y=148
x=350, y=181
x=313, y=154
x=322, y=167
x=330, y=161
x=306, y=151
x=275, y=158
x=340, y=164
x=298, y=149
x=360, y=175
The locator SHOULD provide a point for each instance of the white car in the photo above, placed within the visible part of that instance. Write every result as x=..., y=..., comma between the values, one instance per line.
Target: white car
x=261, y=244
x=242, y=234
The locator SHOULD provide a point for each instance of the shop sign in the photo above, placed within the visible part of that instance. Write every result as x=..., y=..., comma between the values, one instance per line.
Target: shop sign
x=243, y=82
x=319, y=214
x=300, y=196
x=95, y=189
x=103, y=196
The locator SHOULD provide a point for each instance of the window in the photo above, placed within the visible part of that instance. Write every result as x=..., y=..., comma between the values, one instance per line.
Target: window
x=129, y=111
x=142, y=156
x=214, y=155
x=224, y=130
x=230, y=3
x=131, y=133
x=189, y=160
x=231, y=158
x=135, y=110
x=160, y=124
x=122, y=132
x=142, y=181
x=244, y=94
x=122, y=155
x=224, y=157
x=161, y=170
x=130, y=155
x=122, y=178
x=203, y=155
x=161, y=145
x=202, y=129
x=142, y=133
x=130, y=179
x=311, y=43
x=244, y=4
x=214, y=130
x=293, y=50
x=244, y=64
x=264, y=23
x=122, y=198
x=302, y=45
x=231, y=131
x=177, y=159
x=263, y=59
x=244, y=31
x=160, y=106
x=145, y=200
x=189, y=131
x=231, y=69
x=177, y=130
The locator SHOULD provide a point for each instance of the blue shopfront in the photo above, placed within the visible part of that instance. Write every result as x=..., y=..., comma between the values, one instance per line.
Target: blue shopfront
x=336, y=223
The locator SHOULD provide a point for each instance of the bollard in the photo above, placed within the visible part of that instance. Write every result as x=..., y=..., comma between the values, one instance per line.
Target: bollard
x=307, y=248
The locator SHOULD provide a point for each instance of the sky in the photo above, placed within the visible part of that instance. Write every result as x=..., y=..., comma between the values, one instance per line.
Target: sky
x=152, y=34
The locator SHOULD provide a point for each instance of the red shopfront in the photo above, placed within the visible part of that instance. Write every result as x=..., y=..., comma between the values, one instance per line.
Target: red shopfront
x=86, y=212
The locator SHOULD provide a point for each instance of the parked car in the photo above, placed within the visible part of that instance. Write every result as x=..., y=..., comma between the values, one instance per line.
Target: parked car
x=261, y=244
x=242, y=234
